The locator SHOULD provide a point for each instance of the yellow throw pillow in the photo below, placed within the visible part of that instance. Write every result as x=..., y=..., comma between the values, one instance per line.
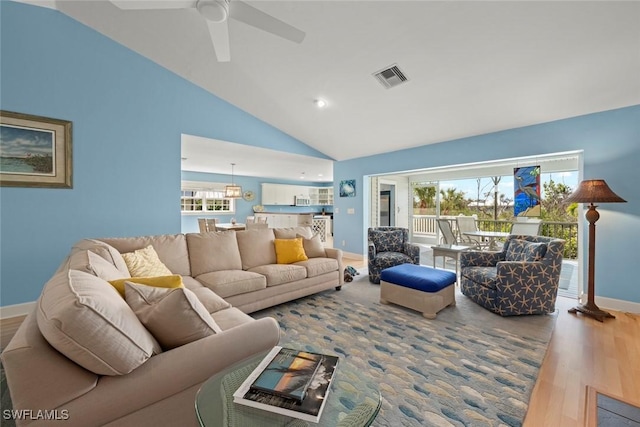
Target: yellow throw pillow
x=289, y=250
x=145, y=263
x=173, y=281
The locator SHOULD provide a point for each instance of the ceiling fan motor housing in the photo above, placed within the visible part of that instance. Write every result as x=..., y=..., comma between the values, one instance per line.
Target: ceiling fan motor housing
x=214, y=10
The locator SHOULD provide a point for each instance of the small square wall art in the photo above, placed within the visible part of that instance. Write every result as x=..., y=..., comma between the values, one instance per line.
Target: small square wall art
x=348, y=188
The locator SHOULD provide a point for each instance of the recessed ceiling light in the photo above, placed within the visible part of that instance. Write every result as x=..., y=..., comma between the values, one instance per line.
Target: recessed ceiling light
x=320, y=103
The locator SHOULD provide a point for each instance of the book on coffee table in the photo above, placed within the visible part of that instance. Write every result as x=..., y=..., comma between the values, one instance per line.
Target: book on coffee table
x=288, y=374
x=309, y=408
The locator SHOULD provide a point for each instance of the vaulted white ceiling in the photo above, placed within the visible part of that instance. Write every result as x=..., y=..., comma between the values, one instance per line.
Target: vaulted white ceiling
x=473, y=67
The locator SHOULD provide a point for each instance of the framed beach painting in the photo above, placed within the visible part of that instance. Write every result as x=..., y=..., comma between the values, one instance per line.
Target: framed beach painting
x=348, y=188
x=34, y=151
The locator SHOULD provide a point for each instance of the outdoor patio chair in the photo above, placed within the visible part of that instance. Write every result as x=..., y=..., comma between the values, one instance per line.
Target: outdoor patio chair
x=448, y=236
x=388, y=247
x=469, y=223
x=526, y=228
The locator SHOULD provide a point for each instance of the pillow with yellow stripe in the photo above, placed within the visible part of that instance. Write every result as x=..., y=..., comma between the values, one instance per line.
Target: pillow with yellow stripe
x=289, y=251
x=170, y=282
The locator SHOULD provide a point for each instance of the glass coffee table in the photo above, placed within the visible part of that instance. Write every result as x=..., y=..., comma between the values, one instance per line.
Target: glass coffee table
x=353, y=401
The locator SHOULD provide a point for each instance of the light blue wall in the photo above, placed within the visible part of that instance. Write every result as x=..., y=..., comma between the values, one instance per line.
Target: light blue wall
x=128, y=114
x=244, y=208
x=611, y=144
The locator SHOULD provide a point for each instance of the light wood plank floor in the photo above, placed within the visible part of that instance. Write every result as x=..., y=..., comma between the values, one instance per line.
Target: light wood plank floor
x=582, y=352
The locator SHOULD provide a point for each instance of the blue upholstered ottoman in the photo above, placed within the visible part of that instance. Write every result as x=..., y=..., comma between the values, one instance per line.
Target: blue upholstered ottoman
x=420, y=288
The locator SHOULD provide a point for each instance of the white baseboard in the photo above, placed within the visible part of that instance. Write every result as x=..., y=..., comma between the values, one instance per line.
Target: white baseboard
x=614, y=304
x=352, y=255
x=9, y=311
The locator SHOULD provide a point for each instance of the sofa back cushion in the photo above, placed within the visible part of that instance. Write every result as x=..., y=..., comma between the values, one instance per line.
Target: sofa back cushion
x=388, y=240
x=89, y=262
x=171, y=249
x=293, y=232
x=213, y=252
x=104, y=250
x=256, y=247
x=84, y=318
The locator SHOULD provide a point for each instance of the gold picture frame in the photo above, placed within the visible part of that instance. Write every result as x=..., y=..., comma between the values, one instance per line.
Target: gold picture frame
x=34, y=151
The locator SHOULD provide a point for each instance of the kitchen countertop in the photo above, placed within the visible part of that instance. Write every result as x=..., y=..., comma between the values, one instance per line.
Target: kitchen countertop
x=318, y=214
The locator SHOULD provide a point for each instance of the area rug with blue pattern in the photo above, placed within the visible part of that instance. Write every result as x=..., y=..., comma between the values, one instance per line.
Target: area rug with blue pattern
x=467, y=367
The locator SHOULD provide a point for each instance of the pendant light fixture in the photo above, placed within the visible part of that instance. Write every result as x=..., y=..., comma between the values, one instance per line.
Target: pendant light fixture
x=232, y=191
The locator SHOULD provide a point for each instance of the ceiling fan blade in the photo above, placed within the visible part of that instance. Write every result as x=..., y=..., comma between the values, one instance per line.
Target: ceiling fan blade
x=153, y=4
x=243, y=12
x=220, y=38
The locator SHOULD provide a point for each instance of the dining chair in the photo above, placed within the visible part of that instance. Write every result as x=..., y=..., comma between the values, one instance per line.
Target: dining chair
x=211, y=224
x=202, y=224
x=250, y=220
x=256, y=225
x=261, y=220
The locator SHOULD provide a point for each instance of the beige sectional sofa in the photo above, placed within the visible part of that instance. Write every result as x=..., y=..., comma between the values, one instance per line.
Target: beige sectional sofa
x=86, y=356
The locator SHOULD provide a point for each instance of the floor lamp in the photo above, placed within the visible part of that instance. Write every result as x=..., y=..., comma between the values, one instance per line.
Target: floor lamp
x=593, y=191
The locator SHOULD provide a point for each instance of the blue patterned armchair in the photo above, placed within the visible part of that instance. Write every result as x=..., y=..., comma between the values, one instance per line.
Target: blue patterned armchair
x=521, y=279
x=388, y=247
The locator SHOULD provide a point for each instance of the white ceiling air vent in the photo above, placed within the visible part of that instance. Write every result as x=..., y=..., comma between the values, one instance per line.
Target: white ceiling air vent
x=390, y=76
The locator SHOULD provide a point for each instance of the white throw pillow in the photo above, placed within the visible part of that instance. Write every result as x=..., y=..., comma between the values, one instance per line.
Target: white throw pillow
x=173, y=316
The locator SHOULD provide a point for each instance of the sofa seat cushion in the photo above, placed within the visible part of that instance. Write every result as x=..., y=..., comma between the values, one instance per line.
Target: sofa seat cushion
x=390, y=259
x=256, y=247
x=278, y=274
x=485, y=276
x=211, y=301
x=318, y=266
x=175, y=317
x=227, y=283
x=84, y=318
x=213, y=252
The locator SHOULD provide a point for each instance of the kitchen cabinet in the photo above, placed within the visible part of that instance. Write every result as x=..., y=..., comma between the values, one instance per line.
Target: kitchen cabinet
x=283, y=220
x=322, y=225
x=283, y=194
x=321, y=196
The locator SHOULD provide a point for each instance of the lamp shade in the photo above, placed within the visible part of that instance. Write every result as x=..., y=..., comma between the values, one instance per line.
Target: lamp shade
x=232, y=191
x=594, y=191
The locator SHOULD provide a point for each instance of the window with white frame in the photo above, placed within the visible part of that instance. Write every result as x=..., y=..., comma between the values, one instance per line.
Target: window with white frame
x=204, y=197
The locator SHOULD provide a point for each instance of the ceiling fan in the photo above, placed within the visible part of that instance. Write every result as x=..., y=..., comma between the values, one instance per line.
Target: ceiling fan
x=216, y=13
